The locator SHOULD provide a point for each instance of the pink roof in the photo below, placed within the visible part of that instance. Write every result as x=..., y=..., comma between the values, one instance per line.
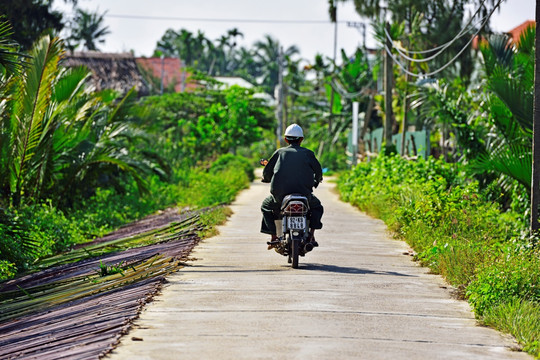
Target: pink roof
x=173, y=72
x=515, y=33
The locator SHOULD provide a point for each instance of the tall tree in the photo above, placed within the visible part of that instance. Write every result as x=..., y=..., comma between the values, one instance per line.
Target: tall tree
x=32, y=18
x=88, y=28
x=267, y=55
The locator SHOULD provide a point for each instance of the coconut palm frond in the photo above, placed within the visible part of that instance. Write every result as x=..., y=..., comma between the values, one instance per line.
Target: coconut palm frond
x=123, y=108
x=511, y=160
x=14, y=229
x=518, y=99
x=498, y=51
x=70, y=83
x=12, y=60
x=32, y=108
x=525, y=43
x=504, y=121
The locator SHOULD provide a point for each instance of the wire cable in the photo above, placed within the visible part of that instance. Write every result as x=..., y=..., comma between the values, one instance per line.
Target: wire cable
x=462, y=31
x=343, y=92
x=265, y=21
x=429, y=58
x=389, y=52
x=299, y=93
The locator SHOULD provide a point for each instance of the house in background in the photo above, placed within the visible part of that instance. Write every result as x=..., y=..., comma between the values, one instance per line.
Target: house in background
x=171, y=71
x=225, y=82
x=121, y=72
x=516, y=32
x=110, y=71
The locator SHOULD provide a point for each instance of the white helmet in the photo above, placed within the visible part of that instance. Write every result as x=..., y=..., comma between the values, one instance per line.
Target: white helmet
x=294, y=131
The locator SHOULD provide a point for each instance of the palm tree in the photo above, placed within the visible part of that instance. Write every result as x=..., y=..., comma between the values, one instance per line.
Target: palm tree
x=510, y=79
x=192, y=49
x=11, y=64
x=29, y=119
x=246, y=64
x=88, y=29
x=267, y=55
x=58, y=137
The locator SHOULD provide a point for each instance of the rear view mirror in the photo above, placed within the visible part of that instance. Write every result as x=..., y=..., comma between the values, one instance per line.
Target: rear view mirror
x=263, y=162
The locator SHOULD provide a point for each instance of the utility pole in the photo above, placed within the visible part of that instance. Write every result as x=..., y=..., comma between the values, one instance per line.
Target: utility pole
x=355, y=105
x=278, y=93
x=333, y=16
x=406, y=104
x=389, y=80
x=359, y=25
x=535, y=181
x=405, y=115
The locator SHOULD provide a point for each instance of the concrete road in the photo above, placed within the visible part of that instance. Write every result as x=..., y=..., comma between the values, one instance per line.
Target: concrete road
x=357, y=296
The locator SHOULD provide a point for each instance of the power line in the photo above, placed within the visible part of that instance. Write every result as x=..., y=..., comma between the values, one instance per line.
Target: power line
x=443, y=46
x=299, y=93
x=389, y=52
x=262, y=21
x=343, y=92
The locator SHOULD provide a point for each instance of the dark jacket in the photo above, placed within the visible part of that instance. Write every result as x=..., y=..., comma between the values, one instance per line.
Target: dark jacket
x=292, y=169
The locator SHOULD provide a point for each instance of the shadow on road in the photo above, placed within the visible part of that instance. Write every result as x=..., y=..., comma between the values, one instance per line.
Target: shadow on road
x=348, y=270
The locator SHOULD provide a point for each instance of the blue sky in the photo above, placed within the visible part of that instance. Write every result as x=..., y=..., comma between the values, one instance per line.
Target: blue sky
x=141, y=35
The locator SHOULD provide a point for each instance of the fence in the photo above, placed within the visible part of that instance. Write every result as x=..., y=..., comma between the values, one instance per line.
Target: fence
x=416, y=144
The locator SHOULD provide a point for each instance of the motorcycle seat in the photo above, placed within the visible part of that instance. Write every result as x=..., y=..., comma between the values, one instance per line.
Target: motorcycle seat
x=294, y=197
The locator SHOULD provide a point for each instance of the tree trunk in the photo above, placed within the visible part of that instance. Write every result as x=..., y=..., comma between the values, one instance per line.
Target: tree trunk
x=389, y=75
x=405, y=111
x=535, y=181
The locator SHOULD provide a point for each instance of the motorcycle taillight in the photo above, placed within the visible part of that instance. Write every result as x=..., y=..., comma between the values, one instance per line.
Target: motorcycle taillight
x=296, y=207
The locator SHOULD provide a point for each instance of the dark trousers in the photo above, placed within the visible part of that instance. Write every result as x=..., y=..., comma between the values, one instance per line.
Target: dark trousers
x=270, y=209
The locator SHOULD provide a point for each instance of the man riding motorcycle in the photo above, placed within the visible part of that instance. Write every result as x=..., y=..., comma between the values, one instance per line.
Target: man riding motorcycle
x=291, y=170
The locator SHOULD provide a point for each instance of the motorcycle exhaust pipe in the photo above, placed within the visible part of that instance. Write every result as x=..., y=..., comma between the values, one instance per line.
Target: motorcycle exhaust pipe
x=308, y=247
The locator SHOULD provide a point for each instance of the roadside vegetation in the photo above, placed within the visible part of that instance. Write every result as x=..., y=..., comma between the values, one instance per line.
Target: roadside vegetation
x=467, y=214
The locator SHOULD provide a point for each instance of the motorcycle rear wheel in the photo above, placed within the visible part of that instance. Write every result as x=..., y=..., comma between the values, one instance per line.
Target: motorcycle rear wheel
x=295, y=253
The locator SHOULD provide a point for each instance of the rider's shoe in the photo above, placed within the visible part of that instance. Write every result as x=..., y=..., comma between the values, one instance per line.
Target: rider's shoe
x=273, y=242
x=311, y=239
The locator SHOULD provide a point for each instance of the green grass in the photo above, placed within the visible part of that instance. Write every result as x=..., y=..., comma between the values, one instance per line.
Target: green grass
x=520, y=318
x=213, y=218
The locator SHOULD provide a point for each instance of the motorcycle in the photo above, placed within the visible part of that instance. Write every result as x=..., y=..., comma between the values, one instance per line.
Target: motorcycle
x=292, y=227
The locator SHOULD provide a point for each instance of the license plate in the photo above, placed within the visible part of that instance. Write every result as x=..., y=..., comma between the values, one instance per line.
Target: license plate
x=296, y=222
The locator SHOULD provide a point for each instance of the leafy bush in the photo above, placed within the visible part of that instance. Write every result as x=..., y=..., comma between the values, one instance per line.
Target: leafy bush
x=229, y=161
x=16, y=249
x=32, y=232
x=514, y=276
x=195, y=126
x=207, y=188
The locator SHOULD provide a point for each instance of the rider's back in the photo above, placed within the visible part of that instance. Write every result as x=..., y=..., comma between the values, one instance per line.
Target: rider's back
x=293, y=169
